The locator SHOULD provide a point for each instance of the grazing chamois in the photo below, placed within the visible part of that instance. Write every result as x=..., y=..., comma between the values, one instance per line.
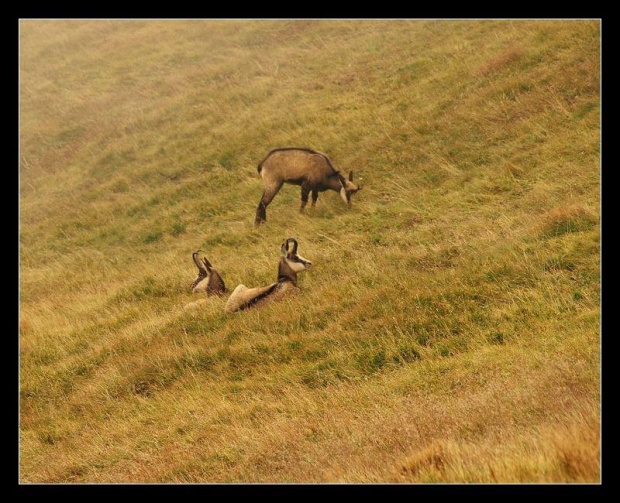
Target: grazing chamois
x=301, y=166
x=208, y=279
x=290, y=264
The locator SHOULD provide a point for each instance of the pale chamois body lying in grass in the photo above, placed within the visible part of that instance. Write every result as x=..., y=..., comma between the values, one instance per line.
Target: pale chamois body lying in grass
x=290, y=264
x=208, y=279
x=301, y=166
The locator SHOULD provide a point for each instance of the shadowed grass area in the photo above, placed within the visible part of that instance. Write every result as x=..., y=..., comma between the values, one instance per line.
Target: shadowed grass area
x=449, y=329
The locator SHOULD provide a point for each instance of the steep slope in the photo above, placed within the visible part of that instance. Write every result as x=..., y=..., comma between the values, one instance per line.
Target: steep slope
x=449, y=330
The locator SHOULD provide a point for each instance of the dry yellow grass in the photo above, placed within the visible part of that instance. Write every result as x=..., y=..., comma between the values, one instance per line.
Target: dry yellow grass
x=449, y=331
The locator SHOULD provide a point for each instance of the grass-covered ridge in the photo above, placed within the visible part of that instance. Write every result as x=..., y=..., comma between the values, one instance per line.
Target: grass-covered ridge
x=449, y=330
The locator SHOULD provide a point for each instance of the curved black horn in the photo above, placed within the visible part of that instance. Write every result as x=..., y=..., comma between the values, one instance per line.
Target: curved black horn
x=285, y=248
x=201, y=268
x=350, y=176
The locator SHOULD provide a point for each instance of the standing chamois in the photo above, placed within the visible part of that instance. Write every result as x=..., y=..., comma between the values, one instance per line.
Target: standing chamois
x=301, y=166
x=290, y=264
x=208, y=279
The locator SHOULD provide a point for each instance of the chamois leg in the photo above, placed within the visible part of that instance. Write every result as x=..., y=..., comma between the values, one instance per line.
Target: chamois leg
x=268, y=195
x=315, y=196
x=305, y=190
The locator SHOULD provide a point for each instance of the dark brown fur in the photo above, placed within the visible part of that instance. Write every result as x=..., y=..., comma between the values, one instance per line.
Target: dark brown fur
x=259, y=297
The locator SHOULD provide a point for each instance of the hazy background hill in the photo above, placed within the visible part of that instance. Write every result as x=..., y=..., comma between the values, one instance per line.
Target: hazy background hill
x=449, y=330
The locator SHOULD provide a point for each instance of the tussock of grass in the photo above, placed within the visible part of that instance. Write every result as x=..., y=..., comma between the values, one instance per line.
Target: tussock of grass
x=449, y=330
x=572, y=218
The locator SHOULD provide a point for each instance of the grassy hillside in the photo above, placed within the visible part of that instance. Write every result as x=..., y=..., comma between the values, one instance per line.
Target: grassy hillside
x=449, y=331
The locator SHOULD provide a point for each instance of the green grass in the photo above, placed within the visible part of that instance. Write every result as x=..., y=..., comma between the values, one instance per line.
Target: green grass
x=449, y=331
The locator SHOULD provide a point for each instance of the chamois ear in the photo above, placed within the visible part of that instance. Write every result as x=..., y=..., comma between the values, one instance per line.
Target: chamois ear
x=285, y=248
x=350, y=176
x=207, y=263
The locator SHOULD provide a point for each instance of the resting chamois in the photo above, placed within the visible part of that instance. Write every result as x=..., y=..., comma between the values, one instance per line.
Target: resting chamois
x=301, y=166
x=290, y=264
x=208, y=279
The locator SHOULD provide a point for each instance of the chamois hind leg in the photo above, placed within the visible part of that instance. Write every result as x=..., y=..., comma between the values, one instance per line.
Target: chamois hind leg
x=268, y=195
x=305, y=190
x=315, y=196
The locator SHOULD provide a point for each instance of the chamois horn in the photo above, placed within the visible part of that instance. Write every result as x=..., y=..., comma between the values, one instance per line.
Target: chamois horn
x=197, y=262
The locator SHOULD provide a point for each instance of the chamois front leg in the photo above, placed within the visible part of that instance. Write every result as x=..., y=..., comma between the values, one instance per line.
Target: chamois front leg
x=305, y=191
x=315, y=196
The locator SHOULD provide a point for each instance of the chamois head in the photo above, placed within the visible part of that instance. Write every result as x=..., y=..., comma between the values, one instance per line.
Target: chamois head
x=295, y=262
x=348, y=187
x=208, y=279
